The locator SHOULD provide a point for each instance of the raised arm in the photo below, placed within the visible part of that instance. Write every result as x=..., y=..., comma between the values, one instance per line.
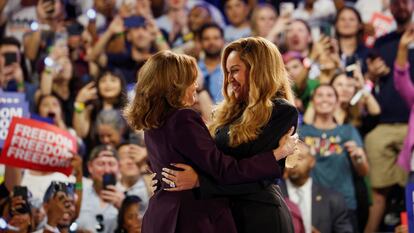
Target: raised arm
x=402, y=79
x=116, y=27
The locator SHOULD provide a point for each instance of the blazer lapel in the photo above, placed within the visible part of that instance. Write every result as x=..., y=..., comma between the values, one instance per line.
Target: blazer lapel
x=283, y=187
x=317, y=205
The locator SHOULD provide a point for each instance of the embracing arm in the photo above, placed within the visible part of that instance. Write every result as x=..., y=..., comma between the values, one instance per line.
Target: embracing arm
x=201, y=149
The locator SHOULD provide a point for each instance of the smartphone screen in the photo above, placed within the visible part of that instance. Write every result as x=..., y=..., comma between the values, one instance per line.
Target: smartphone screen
x=108, y=179
x=20, y=191
x=10, y=58
x=350, y=66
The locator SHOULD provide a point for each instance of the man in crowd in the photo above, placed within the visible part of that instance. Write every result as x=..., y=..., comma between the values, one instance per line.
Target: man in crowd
x=133, y=41
x=101, y=199
x=212, y=43
x=322, y=210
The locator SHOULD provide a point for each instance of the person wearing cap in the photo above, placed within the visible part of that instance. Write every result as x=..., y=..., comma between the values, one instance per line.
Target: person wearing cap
x=60, y=207
x=133, y=40
x=99, y=208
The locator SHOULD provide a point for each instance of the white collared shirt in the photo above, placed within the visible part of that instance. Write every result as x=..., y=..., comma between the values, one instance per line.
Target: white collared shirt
x=306, y=206
x=138, y=189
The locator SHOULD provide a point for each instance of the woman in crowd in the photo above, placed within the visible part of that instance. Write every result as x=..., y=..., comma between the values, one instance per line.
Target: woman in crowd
x=255, y=111
x=110, y=127
x=349, y=30
x=161, y=108
x=49, y=106
x=338, y=148
x=405, y=86
x=351, y=111
x=57, y=79
x=266, y=23
x=129, y=220
x=108, y=93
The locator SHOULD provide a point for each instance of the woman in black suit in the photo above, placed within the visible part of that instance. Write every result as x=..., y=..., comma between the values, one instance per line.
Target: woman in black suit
x=257, y=111
x=176, y=134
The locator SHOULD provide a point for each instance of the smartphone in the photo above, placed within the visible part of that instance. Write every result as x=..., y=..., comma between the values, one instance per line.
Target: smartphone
x=11, y=86
x=91, y=13
x=286, y=9
x=325, y=29
x=22, y=192
x=134, y=22
x=10, y=58
x=350, y=65
x=108, y=179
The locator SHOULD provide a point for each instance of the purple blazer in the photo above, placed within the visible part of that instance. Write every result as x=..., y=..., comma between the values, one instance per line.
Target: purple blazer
x=405, y=87
x=184, y=138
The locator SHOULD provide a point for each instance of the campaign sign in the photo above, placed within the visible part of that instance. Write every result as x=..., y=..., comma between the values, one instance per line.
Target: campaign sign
x=39, y=146
x=11, y=105
x=409, y=202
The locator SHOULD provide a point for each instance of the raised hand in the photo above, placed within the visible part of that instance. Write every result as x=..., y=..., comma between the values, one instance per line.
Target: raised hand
x=87, y=93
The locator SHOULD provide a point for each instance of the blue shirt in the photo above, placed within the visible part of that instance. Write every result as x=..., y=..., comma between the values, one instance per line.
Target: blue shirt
x=213, y=82
x=333, y=168
x=231, y=33
x=393, y=108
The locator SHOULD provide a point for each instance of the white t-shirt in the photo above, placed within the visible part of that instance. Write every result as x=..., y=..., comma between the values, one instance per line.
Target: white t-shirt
x=38, y=185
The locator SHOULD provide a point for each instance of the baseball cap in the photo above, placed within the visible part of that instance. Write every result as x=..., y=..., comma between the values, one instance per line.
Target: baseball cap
x=103, y=150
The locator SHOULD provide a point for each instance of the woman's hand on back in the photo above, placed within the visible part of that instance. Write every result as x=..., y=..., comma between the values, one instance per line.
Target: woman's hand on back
x=287, y=145
x=185, y=179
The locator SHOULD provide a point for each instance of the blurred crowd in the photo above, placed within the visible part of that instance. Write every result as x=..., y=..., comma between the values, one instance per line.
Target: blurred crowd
x=76, y=61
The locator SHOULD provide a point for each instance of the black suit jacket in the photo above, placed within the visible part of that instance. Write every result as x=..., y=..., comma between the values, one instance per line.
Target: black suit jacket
x=329, y=211
x=256, y=206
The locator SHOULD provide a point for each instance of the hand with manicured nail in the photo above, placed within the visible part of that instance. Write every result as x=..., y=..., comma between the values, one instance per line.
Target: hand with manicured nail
x=184, y=179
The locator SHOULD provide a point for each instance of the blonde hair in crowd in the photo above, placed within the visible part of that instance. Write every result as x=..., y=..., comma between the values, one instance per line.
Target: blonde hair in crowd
x=161, y=86
x=268, y=79
x=255, y=15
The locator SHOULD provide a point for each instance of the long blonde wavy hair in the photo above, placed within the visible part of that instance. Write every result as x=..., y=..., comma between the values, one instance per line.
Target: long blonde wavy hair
x=268, y=79
x=162, y=83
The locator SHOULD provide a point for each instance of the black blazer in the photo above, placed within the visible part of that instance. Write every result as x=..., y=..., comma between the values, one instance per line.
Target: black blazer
x=256, y=206
x=329, y=211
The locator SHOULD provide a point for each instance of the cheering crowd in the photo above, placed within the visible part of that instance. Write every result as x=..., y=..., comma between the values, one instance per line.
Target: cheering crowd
x=77, y=63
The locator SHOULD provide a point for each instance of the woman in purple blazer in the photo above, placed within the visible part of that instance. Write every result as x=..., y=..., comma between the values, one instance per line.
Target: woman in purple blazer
x=405, y=86
x=176, y=134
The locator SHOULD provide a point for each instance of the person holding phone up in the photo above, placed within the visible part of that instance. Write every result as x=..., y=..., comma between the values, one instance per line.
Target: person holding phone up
x=16, y=215
x=101, y=198
x=50, y=15
x=13, y=71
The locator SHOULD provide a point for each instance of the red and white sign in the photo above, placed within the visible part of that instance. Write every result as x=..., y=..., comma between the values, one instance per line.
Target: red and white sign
x=39, y=146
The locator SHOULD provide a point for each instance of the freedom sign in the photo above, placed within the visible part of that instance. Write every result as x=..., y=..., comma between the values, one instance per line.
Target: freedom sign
x=12, y=104
x=39, y=146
